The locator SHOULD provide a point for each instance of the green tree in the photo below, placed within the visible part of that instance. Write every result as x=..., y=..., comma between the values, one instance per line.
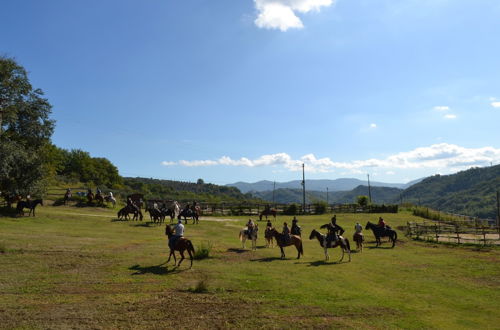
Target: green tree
x=25, y=128
x=362, y=200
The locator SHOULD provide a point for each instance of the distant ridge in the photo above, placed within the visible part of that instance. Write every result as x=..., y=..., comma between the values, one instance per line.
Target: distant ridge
x=343, y=184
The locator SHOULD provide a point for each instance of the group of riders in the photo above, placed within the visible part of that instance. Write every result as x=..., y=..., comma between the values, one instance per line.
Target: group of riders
x=334, y=231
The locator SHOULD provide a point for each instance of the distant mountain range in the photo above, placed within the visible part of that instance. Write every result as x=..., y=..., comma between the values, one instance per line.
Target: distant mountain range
x=471, y=192
x=315, y=185
x=380, y=195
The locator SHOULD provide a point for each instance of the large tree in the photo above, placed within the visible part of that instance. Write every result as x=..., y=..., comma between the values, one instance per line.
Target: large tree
x=25, y=129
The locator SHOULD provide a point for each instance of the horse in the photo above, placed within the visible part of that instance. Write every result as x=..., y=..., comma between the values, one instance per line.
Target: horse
x=175, y=209
x=190, y=213
x=244, y=236
x=268, y=235
x=341, y=241
x=110, y=199
x=21, y=205
x=99, y=199
x=282, y=242
x=67, y=197
x=90, y=197
x=382, y=232
x=125, y=211
x=11, y=199
x=267, y=212
x=181, y=245
x=359, y=239
x=156, y=215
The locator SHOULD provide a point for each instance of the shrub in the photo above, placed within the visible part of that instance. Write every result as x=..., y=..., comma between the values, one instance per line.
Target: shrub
x=203, y=251
x=320, y=207
x=201, y=287
x=292, y=209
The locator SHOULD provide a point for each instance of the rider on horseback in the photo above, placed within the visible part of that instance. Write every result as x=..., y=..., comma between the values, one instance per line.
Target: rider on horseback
x=179, y=232
x=286, y=232
x=381, y=223
x=250, y=228
x=334, y=231
x=269, y=224
x=296, y=230
x=358, y=228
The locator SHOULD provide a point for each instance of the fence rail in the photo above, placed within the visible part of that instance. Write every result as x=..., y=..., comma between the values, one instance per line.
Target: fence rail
x=454, y=233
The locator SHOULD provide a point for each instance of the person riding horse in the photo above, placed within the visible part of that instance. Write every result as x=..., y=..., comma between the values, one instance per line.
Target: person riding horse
x=381, y=223
x=334, y=231
x=250, y=228
x=296, y=230
x=286, y=232
x=179, y=232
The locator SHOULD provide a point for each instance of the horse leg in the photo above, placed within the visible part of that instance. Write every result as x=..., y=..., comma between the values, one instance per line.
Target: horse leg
x=342, y=256
x=182, y=258
x=327, y=257
x=282, y=252
x=170, y=255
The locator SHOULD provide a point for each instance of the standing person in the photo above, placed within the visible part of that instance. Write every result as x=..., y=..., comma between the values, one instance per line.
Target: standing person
x=269, y=224
x=179, y=232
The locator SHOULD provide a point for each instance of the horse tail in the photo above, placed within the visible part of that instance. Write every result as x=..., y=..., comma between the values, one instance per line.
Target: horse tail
x=301, y=249
x=190, y=246
x=240, y=236
x=395, y=236
x=347, y=244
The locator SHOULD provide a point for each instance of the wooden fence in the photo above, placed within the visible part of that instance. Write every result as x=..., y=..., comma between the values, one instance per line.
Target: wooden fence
x=454, y=233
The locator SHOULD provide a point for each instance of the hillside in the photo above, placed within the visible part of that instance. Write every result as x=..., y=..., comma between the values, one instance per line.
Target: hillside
x=183, y=191
x=471, y=192
x=380, y=195
x=343, y=184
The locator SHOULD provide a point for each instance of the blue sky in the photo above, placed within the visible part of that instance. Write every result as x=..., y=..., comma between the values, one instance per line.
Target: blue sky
x=247, y=90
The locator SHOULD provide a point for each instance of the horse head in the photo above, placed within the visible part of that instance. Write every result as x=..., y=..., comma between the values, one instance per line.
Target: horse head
x=314, y=232
x=369, y=225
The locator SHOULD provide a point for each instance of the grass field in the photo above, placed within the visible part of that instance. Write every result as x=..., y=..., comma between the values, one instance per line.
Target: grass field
x=80, y=268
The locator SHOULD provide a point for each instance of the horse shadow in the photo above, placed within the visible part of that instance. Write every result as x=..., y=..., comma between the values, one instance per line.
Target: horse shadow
x=143, y=224
x=155, y=270
x=268, y=259
x=237, y=250
x=119, y=220
x=381, y=247
x=322, y=263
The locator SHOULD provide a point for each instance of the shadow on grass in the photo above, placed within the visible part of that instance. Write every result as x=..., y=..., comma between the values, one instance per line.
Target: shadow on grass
x=381, y=247
x=268, y=259
x=322, y=263
x=156, y=270
x=237, y=250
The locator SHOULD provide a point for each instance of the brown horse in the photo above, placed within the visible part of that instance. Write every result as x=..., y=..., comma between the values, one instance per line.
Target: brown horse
x=342, y=242
x=358, y=238
x=268, y=234
x=283, y=241
x=99, y=199
x=67, y=197
x=90, y=197
x=266, y=213
x=11, y=199
x=181, y=245
x=31, y=205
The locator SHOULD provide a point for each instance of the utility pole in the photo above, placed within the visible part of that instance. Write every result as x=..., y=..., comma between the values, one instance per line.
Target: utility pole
x=274, y=188
x=498, y=214
x=369, y=189
x=326, y=195
x=303, y=189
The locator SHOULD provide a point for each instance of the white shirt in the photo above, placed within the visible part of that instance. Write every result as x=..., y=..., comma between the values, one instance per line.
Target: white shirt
x=179, y=229
x=110, y=194
x=358, y=228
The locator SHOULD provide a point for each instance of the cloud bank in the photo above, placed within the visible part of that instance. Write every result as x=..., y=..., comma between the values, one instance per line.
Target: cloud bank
x=282, y=14
x=437, y=156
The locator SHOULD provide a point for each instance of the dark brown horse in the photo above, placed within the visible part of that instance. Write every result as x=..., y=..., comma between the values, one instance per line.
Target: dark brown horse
x=11, y=199
x=130, y=209
x=382, y=232
x=359, y=239
x=342, y=242
x=67, y=197
x=268, y=234
x=182, y=244
x=190, y=213
x=283, y=241
x=268, y=212
x=90, y=197
x=31, y=205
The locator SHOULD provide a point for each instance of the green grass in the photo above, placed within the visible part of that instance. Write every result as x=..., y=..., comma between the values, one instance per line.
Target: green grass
x=79, y=267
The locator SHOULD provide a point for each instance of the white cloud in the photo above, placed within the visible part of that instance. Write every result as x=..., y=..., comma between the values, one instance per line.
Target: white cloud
x=282, y=14
x=437, y=156
x=450, y=116
x=442, y=108
x=373, y=125
x=495, y=104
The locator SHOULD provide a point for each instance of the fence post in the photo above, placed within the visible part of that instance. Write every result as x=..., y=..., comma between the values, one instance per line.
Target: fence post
x=436, y=229
x=458, y=234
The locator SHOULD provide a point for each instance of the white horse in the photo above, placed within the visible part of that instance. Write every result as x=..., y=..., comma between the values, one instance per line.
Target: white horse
x=175, y=208
x=110, y=199
x=244, y=236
